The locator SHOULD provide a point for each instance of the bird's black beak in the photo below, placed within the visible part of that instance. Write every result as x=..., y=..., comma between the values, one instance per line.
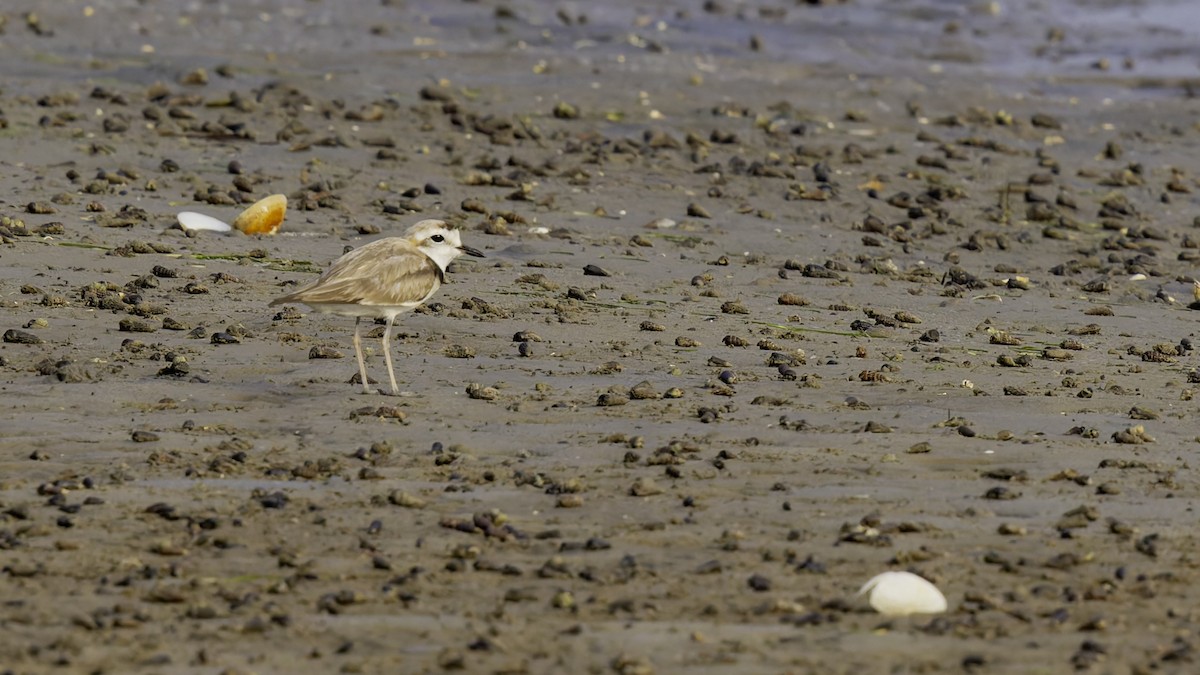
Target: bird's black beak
x=472, y=251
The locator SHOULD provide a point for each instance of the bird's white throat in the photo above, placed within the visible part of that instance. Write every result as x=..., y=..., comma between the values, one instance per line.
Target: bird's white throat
x=442, y=254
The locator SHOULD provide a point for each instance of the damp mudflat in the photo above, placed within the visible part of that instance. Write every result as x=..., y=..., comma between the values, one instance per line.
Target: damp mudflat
x=777, y=297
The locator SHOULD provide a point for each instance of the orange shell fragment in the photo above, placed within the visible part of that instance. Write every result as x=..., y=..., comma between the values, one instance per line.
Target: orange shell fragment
x=263, y=216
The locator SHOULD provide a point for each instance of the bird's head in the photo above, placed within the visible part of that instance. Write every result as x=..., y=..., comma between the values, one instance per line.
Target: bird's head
x=439, y=241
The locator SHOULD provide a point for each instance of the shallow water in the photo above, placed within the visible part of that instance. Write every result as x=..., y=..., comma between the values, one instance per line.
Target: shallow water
x=1002, y=41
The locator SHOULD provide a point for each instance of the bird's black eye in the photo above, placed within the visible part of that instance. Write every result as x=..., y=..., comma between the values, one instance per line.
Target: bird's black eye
x=438, y=238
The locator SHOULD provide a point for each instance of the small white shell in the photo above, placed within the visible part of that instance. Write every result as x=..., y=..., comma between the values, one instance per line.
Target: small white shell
x=903, y=593
x=190, y=220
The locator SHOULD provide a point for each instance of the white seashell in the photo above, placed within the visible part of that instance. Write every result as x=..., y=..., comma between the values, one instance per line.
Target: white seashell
x=903, y=593
x=190, y=220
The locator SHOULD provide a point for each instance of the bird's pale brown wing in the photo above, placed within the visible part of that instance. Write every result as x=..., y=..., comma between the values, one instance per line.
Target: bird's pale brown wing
x=388, y=272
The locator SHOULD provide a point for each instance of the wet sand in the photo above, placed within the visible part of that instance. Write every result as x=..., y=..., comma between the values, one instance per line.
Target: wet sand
x=775, y=299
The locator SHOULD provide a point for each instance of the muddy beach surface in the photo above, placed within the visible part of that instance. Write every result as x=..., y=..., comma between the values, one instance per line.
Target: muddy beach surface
x=777, y=297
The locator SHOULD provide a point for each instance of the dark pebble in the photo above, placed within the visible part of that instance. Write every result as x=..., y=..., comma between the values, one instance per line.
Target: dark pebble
x=322, y=352
x=609, y=399
x=73, y=373
x=759, y=583
x=1001, y=493
x=778, y=359
x=135, y=326
x=275, y=500
x=176, y=369
x=163, y=510
x=437, y=92
x=146, y=281
x=734, y=307
x=20, y=337
x=1045, y=121
x=141, y=436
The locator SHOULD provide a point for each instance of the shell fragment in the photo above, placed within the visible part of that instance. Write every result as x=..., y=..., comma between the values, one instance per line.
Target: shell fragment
x=903, y=593
x=190, y=220
x=263, y=216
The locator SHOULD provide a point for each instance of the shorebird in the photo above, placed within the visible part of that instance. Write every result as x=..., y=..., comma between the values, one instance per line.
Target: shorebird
x=383, y=280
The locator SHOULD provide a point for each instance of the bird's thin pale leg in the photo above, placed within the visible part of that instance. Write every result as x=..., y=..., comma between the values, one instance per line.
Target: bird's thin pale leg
x=387, y=354
x=362, y=365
